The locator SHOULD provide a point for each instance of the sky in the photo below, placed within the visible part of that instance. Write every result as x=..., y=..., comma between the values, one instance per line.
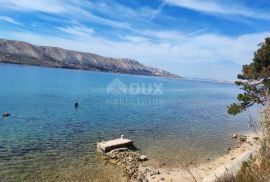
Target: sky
x=208, y=39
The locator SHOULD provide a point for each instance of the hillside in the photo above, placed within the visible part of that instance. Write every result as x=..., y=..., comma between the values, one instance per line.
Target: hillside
x=18, y=52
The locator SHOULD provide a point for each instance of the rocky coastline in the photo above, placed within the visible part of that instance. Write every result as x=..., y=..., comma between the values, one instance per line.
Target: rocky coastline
x=135, y=167
x=130, y=162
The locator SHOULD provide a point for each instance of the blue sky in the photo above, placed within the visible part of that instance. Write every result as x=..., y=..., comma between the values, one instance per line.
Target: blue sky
x=192, y=38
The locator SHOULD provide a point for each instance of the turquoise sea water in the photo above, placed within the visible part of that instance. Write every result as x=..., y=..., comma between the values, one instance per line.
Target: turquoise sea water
x=47, y=139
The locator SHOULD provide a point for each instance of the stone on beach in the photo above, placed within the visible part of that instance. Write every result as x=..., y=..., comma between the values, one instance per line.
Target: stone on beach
x=143, y=158
x=235, y=135
x=256, y=138
x=242, y=138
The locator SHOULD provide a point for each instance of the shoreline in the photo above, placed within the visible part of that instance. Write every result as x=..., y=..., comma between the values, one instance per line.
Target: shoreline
x=90, y=70
x=207, y=171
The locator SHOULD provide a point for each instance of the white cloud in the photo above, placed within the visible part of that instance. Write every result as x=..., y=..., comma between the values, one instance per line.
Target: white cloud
x=49, y=6
x=9, y=20
x=152, y=13
x=135, y=39
x=106, y=21
x=72, y=8
x=183, y=57
x=167, y=36
x=220, y=7
x=205, y=6
x=77, y=30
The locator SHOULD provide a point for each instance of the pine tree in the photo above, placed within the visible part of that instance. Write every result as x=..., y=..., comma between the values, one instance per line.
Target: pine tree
x=255, y=80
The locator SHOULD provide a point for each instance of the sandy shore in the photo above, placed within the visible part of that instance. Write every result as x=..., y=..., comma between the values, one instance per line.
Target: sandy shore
x=208, y=170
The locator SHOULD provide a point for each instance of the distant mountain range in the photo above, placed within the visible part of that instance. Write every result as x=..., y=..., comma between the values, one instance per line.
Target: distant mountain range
x=18, y=52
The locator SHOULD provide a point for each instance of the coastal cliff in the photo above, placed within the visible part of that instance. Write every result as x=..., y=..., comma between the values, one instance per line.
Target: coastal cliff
x=17, y=52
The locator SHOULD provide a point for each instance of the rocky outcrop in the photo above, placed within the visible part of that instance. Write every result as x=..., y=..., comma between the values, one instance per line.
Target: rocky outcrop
x=18, y=52
x=131, y=163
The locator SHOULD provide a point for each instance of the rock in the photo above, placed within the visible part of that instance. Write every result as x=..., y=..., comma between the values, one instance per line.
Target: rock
x=242, y=138
x=154, y=172
x=123, y=149
x=129, y=158
x=144, y=170
x=130, y=163
x=114, y=162
x=162, y=178
x=6, y=114
x=141, y=178
x=256, y=138
x=162, y=164
x=235, y=135
x=143, y=158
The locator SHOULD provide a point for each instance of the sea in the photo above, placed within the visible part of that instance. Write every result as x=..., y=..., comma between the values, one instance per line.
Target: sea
x=47, y=139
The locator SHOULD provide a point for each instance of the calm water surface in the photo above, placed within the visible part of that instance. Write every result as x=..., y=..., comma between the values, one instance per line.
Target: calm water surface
x=46, y=139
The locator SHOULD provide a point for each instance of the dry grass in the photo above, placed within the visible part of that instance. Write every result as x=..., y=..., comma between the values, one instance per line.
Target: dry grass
x=256, y=169
x=228, y=177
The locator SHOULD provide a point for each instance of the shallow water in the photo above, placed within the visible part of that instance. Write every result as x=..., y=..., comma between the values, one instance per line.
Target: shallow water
x=47, y=139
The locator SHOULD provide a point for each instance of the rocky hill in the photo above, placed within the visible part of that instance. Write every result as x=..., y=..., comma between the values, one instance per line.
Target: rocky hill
x=18, y=52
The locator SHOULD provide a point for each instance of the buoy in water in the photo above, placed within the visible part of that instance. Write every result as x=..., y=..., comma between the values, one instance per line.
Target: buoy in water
x=76, y=105
x=6, y=114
